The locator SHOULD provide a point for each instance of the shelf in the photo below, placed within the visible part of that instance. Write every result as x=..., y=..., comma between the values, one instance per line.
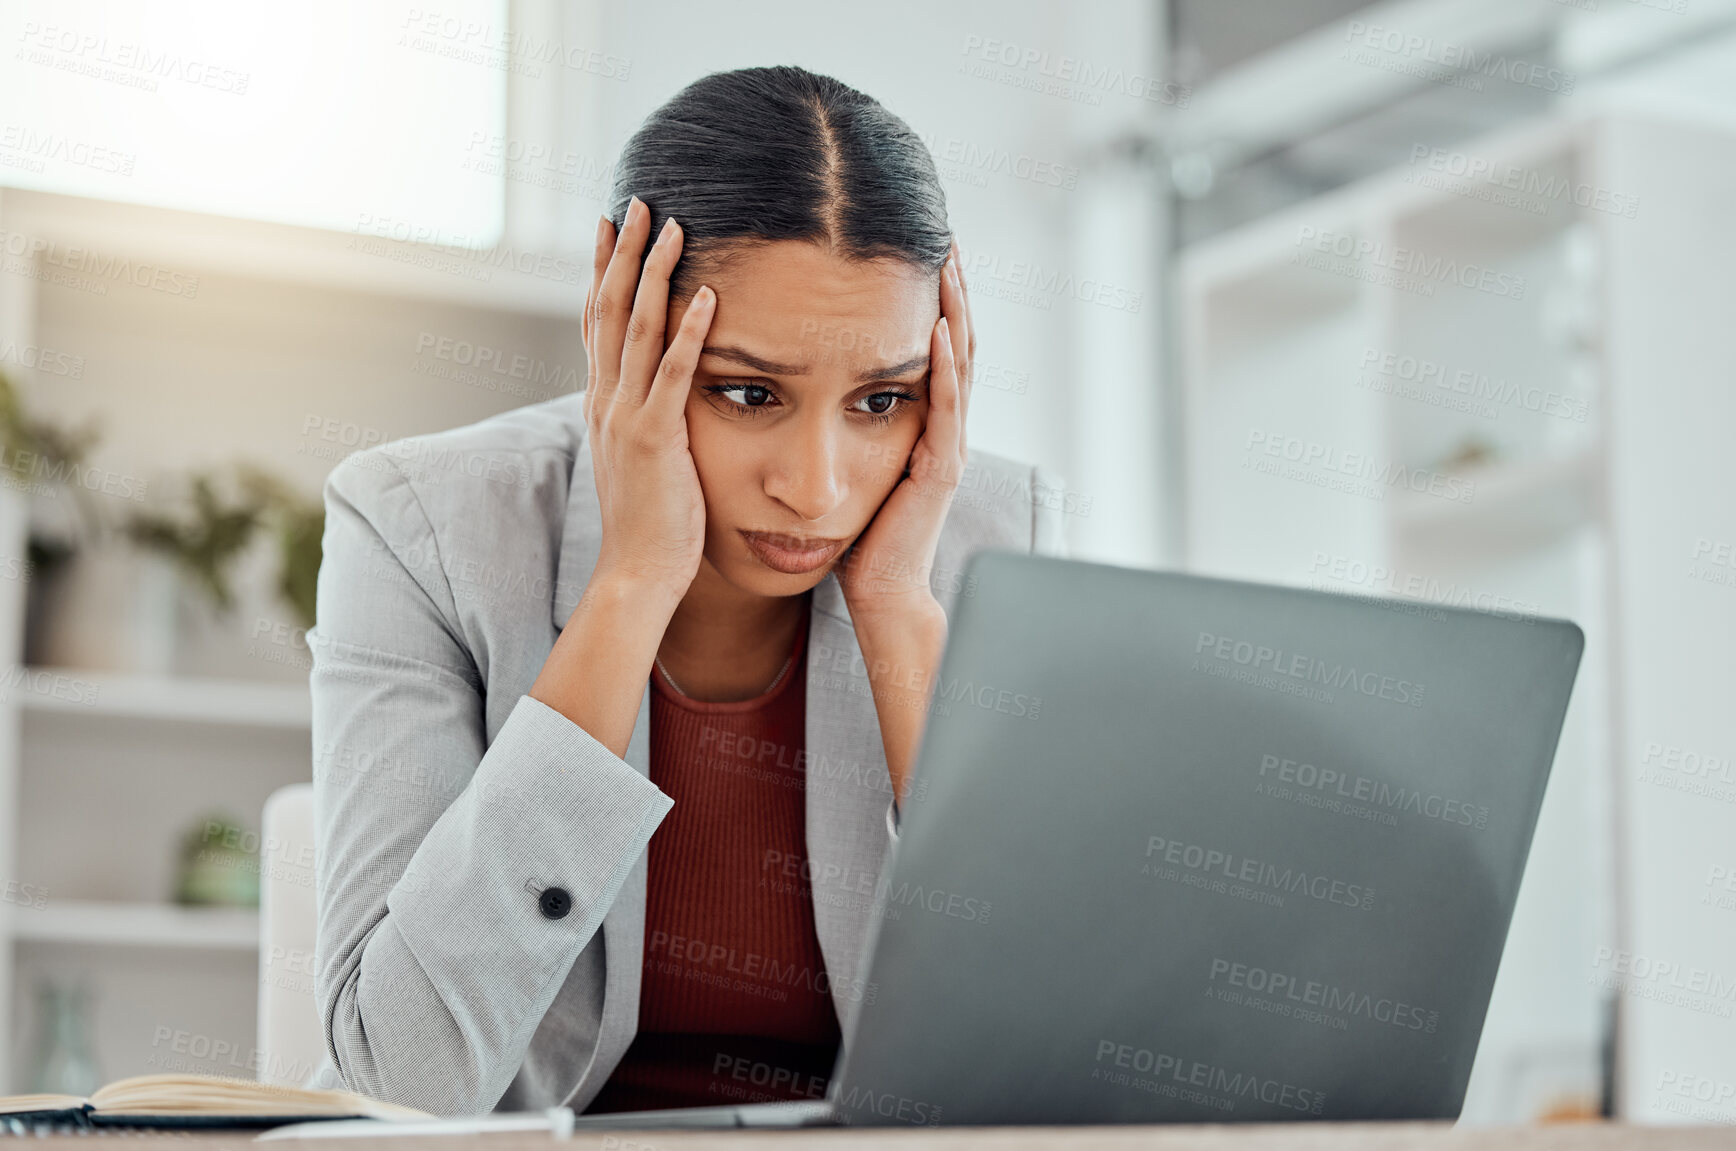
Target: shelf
x=169, y=698
x=194, y=243
x=1514, y=504
x=139, y=925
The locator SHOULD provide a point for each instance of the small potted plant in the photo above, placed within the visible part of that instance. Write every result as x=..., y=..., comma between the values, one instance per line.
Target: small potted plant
x=35, y=448
x=224, y=511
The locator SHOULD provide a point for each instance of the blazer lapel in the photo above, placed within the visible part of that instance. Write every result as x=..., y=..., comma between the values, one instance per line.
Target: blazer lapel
x=623, y=929
x=848, y=787
x=849, y=790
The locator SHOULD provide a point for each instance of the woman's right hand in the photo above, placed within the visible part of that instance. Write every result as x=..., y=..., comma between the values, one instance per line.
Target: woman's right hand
x=653, y=512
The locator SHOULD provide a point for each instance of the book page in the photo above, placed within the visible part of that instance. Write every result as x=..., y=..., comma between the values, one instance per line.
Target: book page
x=19, y=1104
x=224, y=1095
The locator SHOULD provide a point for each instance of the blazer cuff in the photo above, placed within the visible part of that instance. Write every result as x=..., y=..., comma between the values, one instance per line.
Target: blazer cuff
x=548, y=807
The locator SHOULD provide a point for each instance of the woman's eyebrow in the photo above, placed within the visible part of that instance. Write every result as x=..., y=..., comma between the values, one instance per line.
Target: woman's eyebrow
x=747, y=359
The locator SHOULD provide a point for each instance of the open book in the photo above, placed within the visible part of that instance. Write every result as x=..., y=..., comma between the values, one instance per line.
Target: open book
x=199, y=1101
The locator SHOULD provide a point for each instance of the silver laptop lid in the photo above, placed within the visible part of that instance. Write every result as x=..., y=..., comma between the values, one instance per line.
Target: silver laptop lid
x=1191, y=849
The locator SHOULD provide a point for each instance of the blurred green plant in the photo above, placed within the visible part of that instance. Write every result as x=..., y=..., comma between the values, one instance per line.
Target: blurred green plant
x=299, y=523
x=223, y=514
x=218, y=863
x=38, y=447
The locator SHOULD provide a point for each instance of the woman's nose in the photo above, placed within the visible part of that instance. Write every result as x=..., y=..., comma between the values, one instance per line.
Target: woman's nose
x=805, y=474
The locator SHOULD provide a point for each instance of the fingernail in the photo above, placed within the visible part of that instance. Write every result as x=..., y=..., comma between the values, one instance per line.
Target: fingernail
x=602, y=229
x=668, y=226
x=635, y=205
x=945, y=329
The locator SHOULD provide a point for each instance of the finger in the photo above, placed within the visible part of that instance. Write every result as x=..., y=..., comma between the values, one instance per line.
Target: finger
x=605, y=242
x=590, y=359
x=939, y=448
x=964, y=285
x=953, y=307
x=614, y=302
x=674, y=379
x=643, y=350
x=967, y=371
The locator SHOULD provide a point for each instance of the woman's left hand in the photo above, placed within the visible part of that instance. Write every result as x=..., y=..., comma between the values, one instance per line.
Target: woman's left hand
x=885, y=575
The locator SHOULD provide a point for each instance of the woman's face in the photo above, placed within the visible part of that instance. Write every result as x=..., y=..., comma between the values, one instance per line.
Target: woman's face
x=811, y=390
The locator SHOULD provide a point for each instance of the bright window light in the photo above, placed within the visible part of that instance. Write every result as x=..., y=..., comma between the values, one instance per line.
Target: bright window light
x=327, y=113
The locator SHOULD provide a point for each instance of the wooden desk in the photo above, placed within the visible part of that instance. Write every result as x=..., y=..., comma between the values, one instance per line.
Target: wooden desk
x=1280, y=1137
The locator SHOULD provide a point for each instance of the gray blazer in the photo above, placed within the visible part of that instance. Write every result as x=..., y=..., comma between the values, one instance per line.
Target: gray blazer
x=446, y=799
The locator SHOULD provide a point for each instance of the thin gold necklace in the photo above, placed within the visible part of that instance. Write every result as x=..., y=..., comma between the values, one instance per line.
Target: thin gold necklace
x=670, y=680
x=677, y=687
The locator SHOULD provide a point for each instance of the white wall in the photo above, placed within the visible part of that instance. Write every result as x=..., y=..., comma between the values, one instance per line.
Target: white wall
x=1088, y=405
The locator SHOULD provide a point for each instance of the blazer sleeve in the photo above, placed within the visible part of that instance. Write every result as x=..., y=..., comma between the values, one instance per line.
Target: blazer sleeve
x=437, y=954
x=1048, y=538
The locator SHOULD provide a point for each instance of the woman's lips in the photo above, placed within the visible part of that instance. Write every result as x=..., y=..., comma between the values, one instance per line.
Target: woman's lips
x=792, y=555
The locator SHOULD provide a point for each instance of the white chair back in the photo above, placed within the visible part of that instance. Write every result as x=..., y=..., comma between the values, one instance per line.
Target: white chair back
x=291, y=1035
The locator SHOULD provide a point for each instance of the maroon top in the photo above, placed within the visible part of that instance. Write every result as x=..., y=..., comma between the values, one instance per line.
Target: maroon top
x=734, y=1001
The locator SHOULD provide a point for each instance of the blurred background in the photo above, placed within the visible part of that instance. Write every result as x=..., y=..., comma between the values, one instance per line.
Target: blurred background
x=1426, y=299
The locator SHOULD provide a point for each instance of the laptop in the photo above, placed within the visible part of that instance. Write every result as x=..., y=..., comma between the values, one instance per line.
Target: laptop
x=1194, y=850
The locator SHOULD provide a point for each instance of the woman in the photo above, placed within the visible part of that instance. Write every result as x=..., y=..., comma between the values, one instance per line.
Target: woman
x=614, y=698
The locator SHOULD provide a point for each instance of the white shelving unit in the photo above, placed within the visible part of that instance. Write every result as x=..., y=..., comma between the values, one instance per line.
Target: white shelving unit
x=179, y=699
x=142, y=925
x=1535, y=405
x=100, y=778
x=99, y=773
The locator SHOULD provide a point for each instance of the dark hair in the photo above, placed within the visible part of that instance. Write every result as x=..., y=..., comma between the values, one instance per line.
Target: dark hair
x=758, y=155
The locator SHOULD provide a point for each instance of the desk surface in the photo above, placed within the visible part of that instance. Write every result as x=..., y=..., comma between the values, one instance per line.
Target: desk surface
x=1281, y=1137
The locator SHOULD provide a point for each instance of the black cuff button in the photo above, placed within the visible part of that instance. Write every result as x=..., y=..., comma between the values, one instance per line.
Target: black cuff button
x=555, y=902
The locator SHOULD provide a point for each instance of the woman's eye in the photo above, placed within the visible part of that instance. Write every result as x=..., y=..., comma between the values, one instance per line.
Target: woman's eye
x=753, y=395
x=883, y=403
